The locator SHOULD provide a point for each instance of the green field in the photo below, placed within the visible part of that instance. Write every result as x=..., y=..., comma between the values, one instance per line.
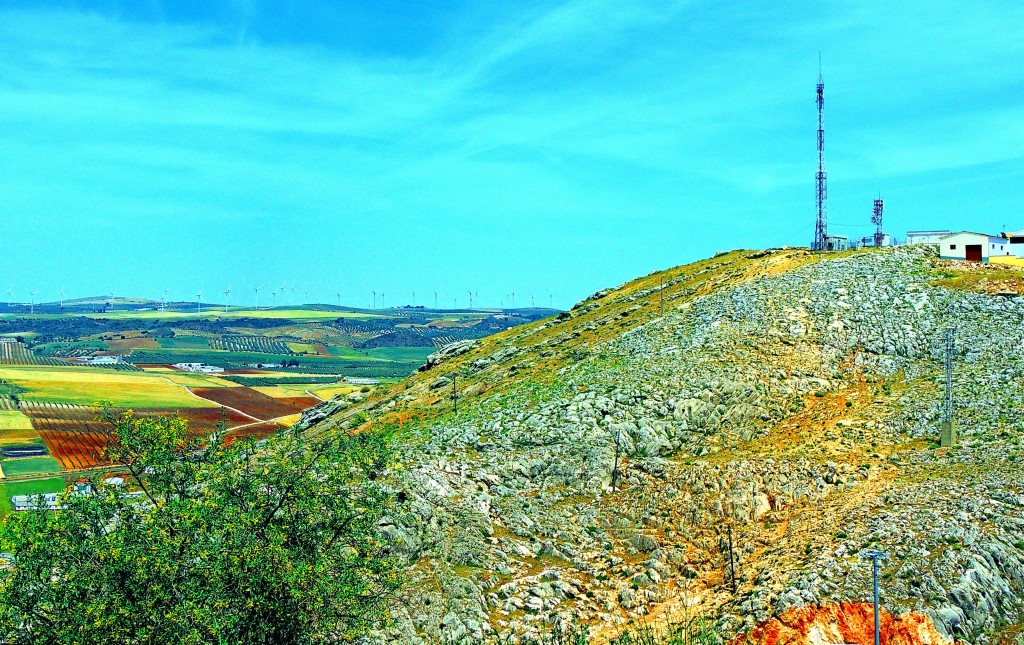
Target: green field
x=374, y=362
x=86, y=386
x=29, y=466
x=403, y=354
x=34, y=487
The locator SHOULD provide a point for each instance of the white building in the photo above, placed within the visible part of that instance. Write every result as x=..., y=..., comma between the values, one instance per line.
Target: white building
x=1016, y=241
x=972, y=247
x=202, y=368
x=99, y=360
x=926, y=237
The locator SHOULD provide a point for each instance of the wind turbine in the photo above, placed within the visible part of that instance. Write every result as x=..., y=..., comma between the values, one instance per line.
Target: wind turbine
x=32, y=302
x=257, y=290
x=533, y=303
x=413, y=298
x=199, y=301
x=470, y=299
x=110, y=303
x=306, y=298
x=435, y=300
x=339, y=298
x=382, y=300
x=163, y=302
x=227, y=295
x=9, y=291
x=284, y=291
x=513, y=299
x=62, y=297
x=374, y=299
x=551, y=301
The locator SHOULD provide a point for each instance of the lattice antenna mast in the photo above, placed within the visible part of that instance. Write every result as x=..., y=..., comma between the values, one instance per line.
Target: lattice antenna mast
x=876, y=219
x=949, y=375
x=821, y=224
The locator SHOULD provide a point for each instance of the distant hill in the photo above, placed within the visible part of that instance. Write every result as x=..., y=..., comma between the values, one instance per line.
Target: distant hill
x=774, y=413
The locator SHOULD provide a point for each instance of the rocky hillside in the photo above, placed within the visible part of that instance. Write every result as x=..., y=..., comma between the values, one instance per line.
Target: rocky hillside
x=783, y=402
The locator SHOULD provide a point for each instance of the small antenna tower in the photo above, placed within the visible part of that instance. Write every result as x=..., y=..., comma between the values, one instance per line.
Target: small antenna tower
x=876, y=219
x=821, y=224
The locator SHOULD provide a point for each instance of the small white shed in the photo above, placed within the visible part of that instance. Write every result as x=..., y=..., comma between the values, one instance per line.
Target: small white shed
x=972, y=247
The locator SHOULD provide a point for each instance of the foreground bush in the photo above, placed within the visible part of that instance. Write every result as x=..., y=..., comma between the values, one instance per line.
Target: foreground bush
x=222, y=544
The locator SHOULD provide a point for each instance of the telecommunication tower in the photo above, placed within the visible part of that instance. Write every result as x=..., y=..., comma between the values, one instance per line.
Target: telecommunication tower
x=821, y=224
x=876, y=219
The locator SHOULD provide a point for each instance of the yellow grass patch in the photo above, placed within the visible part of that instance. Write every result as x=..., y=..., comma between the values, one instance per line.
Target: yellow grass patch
x=289, y=420
x=86, y=386
x=14, y=420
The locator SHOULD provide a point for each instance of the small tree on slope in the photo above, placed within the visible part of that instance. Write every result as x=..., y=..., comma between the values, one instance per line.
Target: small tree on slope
x=225, y=544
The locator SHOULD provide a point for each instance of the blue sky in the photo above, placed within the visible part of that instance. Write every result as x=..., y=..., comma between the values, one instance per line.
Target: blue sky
x=546, y=148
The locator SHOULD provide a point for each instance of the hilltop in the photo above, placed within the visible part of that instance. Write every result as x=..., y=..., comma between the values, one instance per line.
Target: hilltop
x=782, y=401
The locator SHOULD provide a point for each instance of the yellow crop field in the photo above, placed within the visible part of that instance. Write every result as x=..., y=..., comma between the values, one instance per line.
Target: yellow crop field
x=290, y=390
x=14, y=420
x=302, y=348
x=86, y=386
x=289, y=420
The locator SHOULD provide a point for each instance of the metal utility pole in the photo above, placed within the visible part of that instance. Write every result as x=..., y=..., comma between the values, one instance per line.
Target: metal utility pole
x=949, y=375
x=821, y=224
x=947, y=432
x=875, y=556
x=732, y=560
x=455, y=395
x=661, y=303
x=615, y=466
x=876, y=219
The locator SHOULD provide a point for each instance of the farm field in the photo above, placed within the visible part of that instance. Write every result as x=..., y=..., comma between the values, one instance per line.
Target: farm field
x=20, y=354
x=188, y=379
x=324, y=391
x=256, y=403
x=29, y=466
x=88, y=385
x=14, y=420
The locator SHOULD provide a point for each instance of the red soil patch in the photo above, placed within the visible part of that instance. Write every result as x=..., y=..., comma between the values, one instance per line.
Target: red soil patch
x=255, y=403
x=256, y=431
x=846, y=622
x=201, y=419
x=77, y=440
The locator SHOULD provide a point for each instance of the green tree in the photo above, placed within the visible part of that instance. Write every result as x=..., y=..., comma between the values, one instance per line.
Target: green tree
x=243, y=543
